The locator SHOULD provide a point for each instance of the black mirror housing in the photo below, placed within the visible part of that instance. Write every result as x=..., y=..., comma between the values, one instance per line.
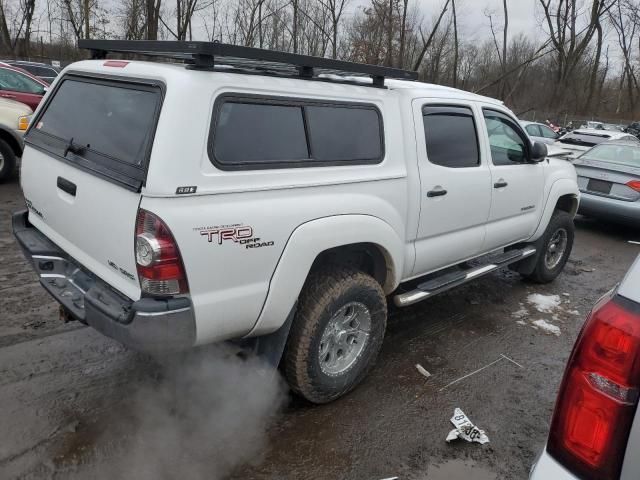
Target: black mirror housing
x=538, y=152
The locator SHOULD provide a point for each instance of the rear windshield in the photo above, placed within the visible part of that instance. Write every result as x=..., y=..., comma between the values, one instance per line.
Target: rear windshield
x=38, y=70
x=584, y=139
x=111, y=120
x=617, y=154
x=99, y=125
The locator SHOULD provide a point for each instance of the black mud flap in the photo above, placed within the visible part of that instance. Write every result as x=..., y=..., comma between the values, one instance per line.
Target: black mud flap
x=528, y=265
x=271, y=347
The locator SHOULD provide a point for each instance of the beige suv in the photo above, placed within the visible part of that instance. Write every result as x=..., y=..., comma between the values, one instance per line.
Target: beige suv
x=14, y=119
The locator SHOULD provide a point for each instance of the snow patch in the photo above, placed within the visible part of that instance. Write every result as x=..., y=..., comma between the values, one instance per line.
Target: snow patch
x=544, y=303
x=547, y=327
x=521, y=322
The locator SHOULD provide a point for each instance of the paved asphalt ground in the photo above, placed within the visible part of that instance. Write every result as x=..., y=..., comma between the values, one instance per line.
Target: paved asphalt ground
x=74, y=404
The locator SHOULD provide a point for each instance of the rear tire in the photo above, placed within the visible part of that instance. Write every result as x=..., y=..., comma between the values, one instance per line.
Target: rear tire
x=555, y=248
x=7, y=162
x=336, y=335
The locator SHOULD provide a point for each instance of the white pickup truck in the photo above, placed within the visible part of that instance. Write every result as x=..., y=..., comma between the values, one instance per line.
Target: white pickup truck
x=277, y=200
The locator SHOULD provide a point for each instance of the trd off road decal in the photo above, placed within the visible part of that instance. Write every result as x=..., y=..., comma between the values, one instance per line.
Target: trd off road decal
x=238, y=233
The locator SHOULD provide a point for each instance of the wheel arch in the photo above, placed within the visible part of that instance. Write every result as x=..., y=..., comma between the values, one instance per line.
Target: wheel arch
x=368, y=257
x=568, y=203
x=563, y=195
x=365, y=241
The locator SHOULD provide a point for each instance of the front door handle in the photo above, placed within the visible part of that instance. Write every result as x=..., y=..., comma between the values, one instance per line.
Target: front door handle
x=500, y=184
x=436, y=193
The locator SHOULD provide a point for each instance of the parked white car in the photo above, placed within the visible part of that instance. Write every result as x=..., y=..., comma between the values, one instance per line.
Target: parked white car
x=595, y=430
x=186, y=204
x=579, y=141
x=539, y=132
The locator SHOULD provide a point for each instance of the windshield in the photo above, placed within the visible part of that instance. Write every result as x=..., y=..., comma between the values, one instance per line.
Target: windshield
x=616, y=154
x=19, y=82
x=584, y=139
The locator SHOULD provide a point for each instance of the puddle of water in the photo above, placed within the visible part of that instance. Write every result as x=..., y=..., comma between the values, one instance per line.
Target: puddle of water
x=459, y=469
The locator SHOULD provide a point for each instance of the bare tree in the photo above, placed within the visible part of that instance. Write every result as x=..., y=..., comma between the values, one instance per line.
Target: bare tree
x=334, y=9
x=77, y=14
x=569, y=40
x=624, y=19
x=456, y=44
x=5, y=34
x=152, y=14
x=426, y=43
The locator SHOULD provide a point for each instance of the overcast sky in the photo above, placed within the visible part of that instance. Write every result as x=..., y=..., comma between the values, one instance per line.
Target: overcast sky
x=472, y=18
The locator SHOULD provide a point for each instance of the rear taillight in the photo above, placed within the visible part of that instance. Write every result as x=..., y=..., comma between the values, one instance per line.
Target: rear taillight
x=158, y=259
x=599, y=393
x=635, y=184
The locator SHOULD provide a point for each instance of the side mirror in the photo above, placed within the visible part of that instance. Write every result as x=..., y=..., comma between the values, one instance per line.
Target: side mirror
x=538, y=152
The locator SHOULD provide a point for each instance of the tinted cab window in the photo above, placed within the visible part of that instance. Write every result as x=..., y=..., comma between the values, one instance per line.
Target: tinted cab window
x=451, y=137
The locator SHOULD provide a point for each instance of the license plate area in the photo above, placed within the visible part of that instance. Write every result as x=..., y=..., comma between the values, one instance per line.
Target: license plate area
x=599, y=186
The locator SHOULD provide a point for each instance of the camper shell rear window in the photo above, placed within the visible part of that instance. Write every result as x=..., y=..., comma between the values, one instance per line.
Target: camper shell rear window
x=101, y=125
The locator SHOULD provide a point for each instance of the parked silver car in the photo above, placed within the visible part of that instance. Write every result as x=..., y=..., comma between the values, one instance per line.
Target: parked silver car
x=595, y=431
x=609, y=180
x=539, y=132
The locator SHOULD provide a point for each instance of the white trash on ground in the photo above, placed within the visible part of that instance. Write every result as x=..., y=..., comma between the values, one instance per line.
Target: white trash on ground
x=544, y=303
x=423, y=371
x=547, y=327
x=465, y=429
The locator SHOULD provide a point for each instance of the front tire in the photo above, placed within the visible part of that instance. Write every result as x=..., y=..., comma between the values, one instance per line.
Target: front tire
x=336, y=335
x=555, y=248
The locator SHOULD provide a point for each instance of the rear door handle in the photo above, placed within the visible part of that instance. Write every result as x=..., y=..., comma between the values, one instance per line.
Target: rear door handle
x=67, y=186
x=7, y=95
x=436, y=193
x=500, y=184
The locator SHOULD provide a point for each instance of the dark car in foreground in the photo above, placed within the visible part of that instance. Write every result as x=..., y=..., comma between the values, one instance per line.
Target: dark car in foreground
x=47, y=73
x=609, y=181
x=595, y=430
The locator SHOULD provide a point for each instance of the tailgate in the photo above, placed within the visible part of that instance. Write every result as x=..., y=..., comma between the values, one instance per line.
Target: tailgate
x=83, y=167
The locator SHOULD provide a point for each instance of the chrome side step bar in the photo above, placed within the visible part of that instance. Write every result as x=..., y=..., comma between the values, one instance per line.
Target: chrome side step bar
x=450, y=280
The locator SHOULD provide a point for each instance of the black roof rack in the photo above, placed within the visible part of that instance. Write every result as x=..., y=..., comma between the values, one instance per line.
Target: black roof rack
x=205, y=56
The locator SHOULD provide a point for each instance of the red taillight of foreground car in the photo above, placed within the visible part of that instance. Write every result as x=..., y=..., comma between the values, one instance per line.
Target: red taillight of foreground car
x=599, y=393
x=158, y=259
x=635, y=184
